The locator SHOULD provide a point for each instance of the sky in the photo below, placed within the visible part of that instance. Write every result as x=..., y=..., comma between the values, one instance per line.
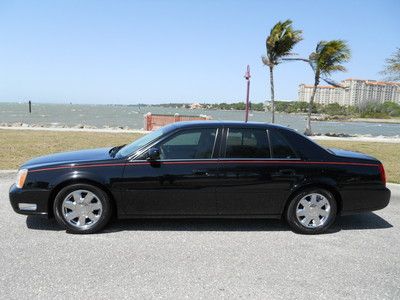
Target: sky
x=128, y=52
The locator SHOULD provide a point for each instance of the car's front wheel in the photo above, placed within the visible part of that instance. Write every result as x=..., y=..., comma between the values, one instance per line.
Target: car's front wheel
x=82, y=208
x=311, y=211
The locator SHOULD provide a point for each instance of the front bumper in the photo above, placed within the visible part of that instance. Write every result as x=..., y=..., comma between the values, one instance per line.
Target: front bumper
x=29, y=202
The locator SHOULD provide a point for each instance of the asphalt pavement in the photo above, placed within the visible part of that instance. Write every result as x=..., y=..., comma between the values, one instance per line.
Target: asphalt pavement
x=200, y=259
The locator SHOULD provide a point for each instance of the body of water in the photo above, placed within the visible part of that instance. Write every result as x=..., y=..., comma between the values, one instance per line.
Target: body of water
x=102, y=116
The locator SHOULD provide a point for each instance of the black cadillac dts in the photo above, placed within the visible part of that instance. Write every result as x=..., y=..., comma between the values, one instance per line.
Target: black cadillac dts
x=203, y=169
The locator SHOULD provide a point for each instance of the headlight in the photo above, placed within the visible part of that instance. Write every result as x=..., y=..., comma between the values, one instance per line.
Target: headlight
x=21, y=178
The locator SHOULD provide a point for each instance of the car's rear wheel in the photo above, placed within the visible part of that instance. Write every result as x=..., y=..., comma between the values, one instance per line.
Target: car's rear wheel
x=82, y=208
x=311, y=211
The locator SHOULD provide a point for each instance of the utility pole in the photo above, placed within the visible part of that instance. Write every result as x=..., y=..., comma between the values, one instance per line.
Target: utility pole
x=247, y=77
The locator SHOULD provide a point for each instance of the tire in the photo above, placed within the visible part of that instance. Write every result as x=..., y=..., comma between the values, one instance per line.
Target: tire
x=82, y=208
x=309, y=206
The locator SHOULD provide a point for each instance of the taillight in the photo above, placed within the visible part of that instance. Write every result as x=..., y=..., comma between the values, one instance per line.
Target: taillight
x=382, y=174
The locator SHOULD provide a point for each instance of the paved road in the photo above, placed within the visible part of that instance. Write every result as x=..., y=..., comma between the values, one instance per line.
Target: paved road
x=206, y=259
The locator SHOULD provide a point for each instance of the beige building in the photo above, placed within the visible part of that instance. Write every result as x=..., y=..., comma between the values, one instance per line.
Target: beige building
x=355, y=92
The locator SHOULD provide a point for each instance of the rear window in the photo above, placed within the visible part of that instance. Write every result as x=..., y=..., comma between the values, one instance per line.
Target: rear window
x=279, y=146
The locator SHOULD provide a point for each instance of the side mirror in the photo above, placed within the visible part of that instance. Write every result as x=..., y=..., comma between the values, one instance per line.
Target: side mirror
x=153, y=154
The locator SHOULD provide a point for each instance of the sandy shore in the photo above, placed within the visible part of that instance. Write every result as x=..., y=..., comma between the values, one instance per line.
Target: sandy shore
x=377, y=139
x=324, y=118
x=368, y=120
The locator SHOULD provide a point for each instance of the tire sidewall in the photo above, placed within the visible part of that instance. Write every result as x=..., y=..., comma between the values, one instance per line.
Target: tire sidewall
x=100, y=194
x=295, y=223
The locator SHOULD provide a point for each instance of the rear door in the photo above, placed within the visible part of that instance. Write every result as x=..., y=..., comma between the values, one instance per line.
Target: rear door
x=253, y=181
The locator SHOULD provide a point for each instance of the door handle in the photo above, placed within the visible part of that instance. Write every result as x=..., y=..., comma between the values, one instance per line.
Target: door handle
x=286, y=172
x=200, y=172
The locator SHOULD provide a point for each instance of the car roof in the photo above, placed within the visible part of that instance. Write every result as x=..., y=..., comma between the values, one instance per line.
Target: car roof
x=216, y=123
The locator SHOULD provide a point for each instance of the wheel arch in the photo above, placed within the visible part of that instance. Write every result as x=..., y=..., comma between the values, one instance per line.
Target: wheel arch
x=71, y=181
x=322, y=185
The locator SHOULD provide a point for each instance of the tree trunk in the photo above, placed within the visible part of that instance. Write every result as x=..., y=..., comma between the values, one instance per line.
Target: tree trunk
x=271, y=81
x=310, y=104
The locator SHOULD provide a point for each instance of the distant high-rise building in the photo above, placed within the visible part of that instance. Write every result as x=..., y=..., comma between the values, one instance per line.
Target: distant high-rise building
x=353, y=92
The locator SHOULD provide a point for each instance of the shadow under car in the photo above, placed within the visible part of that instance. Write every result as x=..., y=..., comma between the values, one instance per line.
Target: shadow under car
x=354, y=222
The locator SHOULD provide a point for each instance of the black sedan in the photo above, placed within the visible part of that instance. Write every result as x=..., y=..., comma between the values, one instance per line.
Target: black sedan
x=203, y=169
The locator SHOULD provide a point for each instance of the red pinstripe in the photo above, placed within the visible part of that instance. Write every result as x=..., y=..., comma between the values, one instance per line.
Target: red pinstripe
x=212, y=162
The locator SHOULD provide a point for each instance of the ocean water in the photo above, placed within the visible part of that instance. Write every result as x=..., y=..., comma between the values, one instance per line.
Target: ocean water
x=102, y=116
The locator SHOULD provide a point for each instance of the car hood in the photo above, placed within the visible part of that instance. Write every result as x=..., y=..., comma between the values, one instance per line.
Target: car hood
x=351, y=154
x=89, y=155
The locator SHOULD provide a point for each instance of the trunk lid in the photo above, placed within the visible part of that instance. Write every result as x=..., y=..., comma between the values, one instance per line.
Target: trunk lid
x=352, y=154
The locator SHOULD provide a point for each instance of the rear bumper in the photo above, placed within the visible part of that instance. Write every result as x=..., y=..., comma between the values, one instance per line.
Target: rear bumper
x=28, y=202
x=356, y=201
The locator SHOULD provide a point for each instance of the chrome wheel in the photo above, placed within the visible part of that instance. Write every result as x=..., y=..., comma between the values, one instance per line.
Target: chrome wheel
x=82, y=209
x=313, y=210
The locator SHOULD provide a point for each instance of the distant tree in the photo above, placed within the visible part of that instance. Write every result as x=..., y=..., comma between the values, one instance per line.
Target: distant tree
x=391, y=69
x=279, y=44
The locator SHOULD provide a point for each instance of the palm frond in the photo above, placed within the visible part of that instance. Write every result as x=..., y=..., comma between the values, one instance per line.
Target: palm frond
x=329, y=56
x=281, y=40
x=333, y=82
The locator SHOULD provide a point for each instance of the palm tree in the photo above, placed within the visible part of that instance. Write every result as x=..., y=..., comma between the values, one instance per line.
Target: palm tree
x=392, y=67
x=279, y=44
x=327, y=58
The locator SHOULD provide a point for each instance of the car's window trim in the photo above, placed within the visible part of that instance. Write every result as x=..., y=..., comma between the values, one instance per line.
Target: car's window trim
x=176, y=160
x=225, y=137
x=217, y=159
x=220, y=140
x=133, y=157
x=269, y=144
x=258, y=159
x=217, y=137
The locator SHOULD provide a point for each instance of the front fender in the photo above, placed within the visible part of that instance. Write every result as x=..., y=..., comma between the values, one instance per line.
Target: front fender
x=80, y=175
x=52, y=181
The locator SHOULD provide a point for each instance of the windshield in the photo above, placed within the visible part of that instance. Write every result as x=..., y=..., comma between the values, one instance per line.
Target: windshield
x=140, y=142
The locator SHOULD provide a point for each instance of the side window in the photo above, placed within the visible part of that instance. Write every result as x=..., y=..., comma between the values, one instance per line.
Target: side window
x=189, y=144
x=280, y=147
x=189, y=138
x=247, y=143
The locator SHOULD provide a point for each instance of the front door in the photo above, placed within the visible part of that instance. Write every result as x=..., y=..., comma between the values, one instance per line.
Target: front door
x=181, y=182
